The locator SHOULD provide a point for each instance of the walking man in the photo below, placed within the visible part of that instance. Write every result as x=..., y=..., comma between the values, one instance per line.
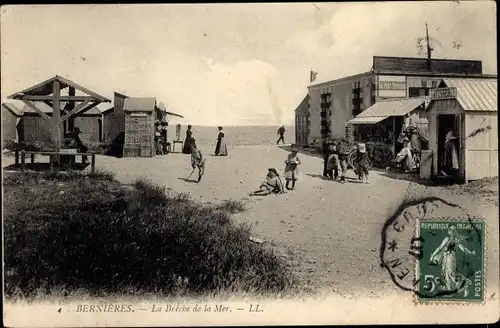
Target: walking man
x=281, y=132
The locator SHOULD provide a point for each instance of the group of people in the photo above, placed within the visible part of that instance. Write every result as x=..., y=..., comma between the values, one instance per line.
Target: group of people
x=220, y=148
x=273, y=184
x=335, y=160
x=198, y=160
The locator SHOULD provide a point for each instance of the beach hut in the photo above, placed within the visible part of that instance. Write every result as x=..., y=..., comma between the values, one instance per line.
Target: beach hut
x=11, y=129
x=36, y=127
x=139, y=114
x=107, y=123
x=468, y=107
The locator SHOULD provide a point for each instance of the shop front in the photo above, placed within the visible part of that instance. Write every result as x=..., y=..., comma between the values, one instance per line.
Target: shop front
x=383, y=126
x=463, y=129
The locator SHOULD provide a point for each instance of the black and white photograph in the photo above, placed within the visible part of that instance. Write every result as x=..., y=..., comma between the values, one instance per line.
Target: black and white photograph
x=209, y=164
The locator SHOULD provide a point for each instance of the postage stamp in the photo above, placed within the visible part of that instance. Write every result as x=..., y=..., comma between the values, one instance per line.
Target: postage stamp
x=452, y=267
x=436, y=250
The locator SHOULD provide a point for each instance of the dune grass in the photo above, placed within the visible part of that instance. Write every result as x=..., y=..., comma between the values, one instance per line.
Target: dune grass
x=71, y=232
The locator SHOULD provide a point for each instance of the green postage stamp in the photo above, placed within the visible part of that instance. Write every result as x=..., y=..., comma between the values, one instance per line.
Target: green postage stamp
x=452, y=265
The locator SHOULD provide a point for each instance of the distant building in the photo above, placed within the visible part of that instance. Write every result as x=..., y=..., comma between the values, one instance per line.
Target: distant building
x=333, y=103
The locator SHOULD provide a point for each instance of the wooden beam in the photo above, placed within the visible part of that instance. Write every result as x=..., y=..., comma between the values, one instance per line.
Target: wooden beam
x=56, y=114
x=61, y=98
x=38, y=110
x=49, y=103
x=75, y=110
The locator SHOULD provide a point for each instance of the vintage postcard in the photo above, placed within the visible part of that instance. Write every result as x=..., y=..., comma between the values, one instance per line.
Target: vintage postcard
x=250, y=164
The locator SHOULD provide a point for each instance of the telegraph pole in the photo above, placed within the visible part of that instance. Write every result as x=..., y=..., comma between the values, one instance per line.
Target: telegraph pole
x=429, y=49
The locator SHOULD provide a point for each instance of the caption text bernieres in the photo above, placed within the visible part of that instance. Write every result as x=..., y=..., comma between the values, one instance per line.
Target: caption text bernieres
x=104, y=308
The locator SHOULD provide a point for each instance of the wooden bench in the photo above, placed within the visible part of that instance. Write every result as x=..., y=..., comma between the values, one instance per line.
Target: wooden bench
x=71, y=155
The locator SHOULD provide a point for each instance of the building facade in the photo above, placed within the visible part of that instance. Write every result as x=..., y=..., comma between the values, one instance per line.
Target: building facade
x=302, y=122
x=334, y=102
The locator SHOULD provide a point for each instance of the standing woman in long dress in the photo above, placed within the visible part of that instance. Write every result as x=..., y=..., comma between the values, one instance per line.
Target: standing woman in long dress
x=188, y=141
x=221, y=148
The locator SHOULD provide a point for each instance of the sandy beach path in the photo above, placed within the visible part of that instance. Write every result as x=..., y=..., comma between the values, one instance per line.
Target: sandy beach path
x=329, y=232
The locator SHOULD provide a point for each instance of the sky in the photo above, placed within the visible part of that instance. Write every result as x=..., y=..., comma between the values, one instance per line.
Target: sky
x=229, y=64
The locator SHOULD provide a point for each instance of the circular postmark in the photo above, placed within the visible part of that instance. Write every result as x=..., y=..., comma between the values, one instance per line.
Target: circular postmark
x=435, y=249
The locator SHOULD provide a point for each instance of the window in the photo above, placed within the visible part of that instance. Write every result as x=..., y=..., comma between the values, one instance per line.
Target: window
x=417, y=92
x=423, y=83
x=434, y=84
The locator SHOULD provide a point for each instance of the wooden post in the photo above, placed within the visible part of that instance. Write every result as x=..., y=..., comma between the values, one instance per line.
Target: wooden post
x=51, y=162
x=93, y=163
x=32, y=158
x=56, y=115
x=23, y=161
x=71, y=106
x=394, y=137
x=16, y=154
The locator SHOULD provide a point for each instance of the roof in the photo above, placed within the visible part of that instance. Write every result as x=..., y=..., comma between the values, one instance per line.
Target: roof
x=45, y=88
x=13, y=109
x=475, y=94
x=384, y=109
x=139, y=104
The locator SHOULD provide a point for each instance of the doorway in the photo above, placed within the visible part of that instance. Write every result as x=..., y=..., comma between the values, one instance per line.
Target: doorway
x=445, y=124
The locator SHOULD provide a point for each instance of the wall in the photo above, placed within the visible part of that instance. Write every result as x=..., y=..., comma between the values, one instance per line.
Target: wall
x=119, y=115
x=36, y=128
x=481, y=143
x=89, y=127
x=342, y=107
x=314, y=115
x=108, y=121
x=9, y=127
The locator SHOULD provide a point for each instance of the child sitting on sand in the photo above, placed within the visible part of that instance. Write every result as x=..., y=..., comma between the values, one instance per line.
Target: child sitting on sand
x=362, y=163
x=291, y=169
x=197, y=160
x=272, y=184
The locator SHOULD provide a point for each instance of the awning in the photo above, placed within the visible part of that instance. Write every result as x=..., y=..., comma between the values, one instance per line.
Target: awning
x=367, y=120
x=174, y=114
x=384, y=109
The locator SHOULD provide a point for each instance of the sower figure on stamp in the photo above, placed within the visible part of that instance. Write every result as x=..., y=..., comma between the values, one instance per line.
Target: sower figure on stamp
x=446, y=257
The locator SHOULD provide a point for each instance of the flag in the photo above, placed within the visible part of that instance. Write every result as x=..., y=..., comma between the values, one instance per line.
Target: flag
x=312, y=76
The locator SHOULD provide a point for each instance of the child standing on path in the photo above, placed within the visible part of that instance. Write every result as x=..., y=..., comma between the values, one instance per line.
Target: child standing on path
x=197, y=160
x=362, y=163
x=291, y=169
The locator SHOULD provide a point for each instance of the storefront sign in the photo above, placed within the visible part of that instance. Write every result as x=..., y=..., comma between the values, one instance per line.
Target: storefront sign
x=391, y=85
x=138, y=114
x=443, y=93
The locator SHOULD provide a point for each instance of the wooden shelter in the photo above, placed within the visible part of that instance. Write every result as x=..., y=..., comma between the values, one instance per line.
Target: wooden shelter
x=469, y=108
x=64, y=107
